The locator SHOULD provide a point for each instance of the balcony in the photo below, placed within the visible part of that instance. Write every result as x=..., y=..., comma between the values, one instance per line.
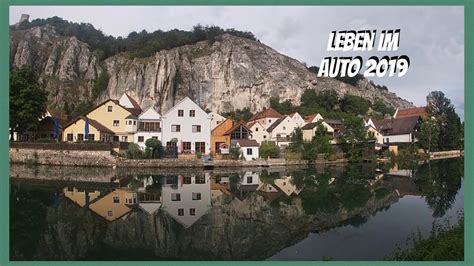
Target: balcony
x=146, y=129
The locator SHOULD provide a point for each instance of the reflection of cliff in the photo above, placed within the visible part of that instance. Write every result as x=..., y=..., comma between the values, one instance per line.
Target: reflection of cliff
x=232, y=229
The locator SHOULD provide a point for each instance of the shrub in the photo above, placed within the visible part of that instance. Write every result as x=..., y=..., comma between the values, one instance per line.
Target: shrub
x=234, y=152
x=269, y=149
x=134, y=151
x=153, y=145
x=198, y=155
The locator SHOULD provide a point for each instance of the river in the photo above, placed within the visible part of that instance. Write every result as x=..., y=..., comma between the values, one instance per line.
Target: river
x=351, y=212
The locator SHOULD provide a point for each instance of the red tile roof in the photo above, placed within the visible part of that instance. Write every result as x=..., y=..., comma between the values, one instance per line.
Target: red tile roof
x=417, y=111
x=245, y=142
x=269, y=112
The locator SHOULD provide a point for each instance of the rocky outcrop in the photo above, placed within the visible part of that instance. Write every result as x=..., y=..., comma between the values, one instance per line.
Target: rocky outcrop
x=227, y=74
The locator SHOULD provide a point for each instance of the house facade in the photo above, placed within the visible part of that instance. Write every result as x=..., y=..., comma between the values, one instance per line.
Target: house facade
x=400, y=130
x=75, y=131
x=220, y=142
x=248, y=148
x=259, y=133
x=216, y=119
x=114, y=205
x=298, y=119
x=266, y=117
x=280, y=131
x=149, y=124
x=309, y=130
x=187, y=127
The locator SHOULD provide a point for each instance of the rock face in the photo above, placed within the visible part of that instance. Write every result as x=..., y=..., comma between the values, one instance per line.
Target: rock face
x=227, y=74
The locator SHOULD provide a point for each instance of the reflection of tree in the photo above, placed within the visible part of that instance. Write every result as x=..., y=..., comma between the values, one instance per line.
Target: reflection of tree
x=440, y=181
x=27, y=221
x=322, y=200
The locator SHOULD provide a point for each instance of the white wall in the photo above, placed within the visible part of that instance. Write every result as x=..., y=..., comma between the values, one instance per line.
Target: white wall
x=404, y=138
x=146, y=136
x=254, y=154
x=216, y=119
x=186, y=122
x=298, y=119
x=259, y=133
x=149, y=115
x=284, y=129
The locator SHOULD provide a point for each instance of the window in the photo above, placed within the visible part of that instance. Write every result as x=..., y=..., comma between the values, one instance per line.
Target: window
x=175, y=197
x=269, y=120
x=116, y=123
x=175, y=128
x=124, y=138
x=154, y=137
x=196, y=128
x=181, y=212
x=249, y=179
x=200, y=147
x=109, y=213
x=192, y=212
x=115, y=138
x=387, y=140
x=109, y=109
x=284, y=128
x=116, y=200
x=70, y=137
x=187, y=146
x=80, y=137
x=192, y=113
x=181, y=113
x=196, y=196
x=249, y=151
x=91, y=137
x=187, y=180
x=264, y=136
x=200, y=180
x=256, y=129
x=134, y=122
x=149, y=126
x=141, y=138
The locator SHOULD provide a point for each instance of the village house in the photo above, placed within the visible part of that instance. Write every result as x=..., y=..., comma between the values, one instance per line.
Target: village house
x=400, y=130
x=149, y=126
x=309, y=130
x=259, y=133
x=186, y=198
x=298, y=119
x=409, y=112
x=248, y=148
x=80, y=196
x=76, y=129
x=266, y=117
x=50, y=127
x=187, y=128
x=373, y=130
x=216, y=119
x=280, y=131
x=220, y=141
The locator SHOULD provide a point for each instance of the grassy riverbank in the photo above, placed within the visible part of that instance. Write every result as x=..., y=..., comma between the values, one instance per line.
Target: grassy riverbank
x=445, y=243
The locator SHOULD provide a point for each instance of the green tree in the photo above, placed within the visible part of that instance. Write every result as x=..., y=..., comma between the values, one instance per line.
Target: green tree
x=284, y=107
x=381, y=107
x=240, y=114
x=354, y=104
x=353, y=136
x=153, y=145
x=321, y=140
x=429, y=134
x=134, y=151
x=100, y=85
x=297, y=141
x=269, y=149
x=327, y=99
x=441, y=108
x=27, y=101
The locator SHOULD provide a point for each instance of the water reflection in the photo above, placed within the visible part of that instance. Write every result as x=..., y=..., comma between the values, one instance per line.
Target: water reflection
x=207, y=215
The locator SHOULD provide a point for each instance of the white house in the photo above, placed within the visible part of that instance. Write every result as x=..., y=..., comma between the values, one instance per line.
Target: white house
x=313, y=118
x=280, y=131
x=189, y=125
x=186, y=198
x=400, y=130
x=216, y=119
x=259, y=133
x=372, y=129
x=266, y=117
x=149, y=126
x=298, y=119
x=248, y=148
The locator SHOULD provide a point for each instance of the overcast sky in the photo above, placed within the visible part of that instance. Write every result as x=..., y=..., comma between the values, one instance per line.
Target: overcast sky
x=433, y=37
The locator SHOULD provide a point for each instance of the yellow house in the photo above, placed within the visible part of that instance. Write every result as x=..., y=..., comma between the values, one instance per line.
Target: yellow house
x=114, y=205
x=218, y=136
x=78, y=196
x=122, y=120
x=75, y=131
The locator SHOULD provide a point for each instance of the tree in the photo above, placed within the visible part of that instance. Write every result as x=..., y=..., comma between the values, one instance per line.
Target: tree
x=134, y=151
x=285, y=107
x=353, y=136
x=27, y=101
x=381, y=107
x=321, y=140
x=429, y=134
x=269, y=149
x=240, y=114
x=449, y=122
x=153, y=145
x=354, y=104
x=297, y=141
x=327, y=99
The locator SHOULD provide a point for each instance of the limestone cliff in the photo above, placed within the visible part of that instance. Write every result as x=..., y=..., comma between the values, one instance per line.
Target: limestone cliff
x=229, y=73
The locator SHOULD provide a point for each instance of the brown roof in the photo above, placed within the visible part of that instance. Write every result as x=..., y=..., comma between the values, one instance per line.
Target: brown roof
x=269, y=112
x=134, y=111
x=311, y=125
x=93, y=123
x=275, y=124
x=398, y=126
x=250, y=124
x=245, y=142
x=417, y=111
x=237, y=125
x=134, y=103
x=333, y=121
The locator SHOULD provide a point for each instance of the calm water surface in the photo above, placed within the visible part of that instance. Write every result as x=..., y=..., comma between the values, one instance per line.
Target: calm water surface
x=353, y=212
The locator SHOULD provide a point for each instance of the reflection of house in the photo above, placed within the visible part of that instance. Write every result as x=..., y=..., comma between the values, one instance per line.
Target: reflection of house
x=75, y=131
x=149, y=126
x=268, y=188
x=190, y=125
x=79, y=196
x=248, y=148
x=114, y=205
x=216, y=119
x=218, y=190
x=186, y=198
x=286, y=185
x=266, y=117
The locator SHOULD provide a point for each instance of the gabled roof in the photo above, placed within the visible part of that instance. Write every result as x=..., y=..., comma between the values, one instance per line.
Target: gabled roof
x=269, y=112
x=399, y=126
x=310, y=125
x=275, y=124
x=221, y=124
x=333, y=121
x=181, y=101
x=134, y=103
x=92, y=122
x=245, y=142
x=310, y=118
x=237, y=125
x=131, y=116
x=416, y=111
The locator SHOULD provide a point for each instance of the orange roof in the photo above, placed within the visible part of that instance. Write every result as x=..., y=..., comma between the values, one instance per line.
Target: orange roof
x=269, y=112
x=416, y=111
x=309, y=118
